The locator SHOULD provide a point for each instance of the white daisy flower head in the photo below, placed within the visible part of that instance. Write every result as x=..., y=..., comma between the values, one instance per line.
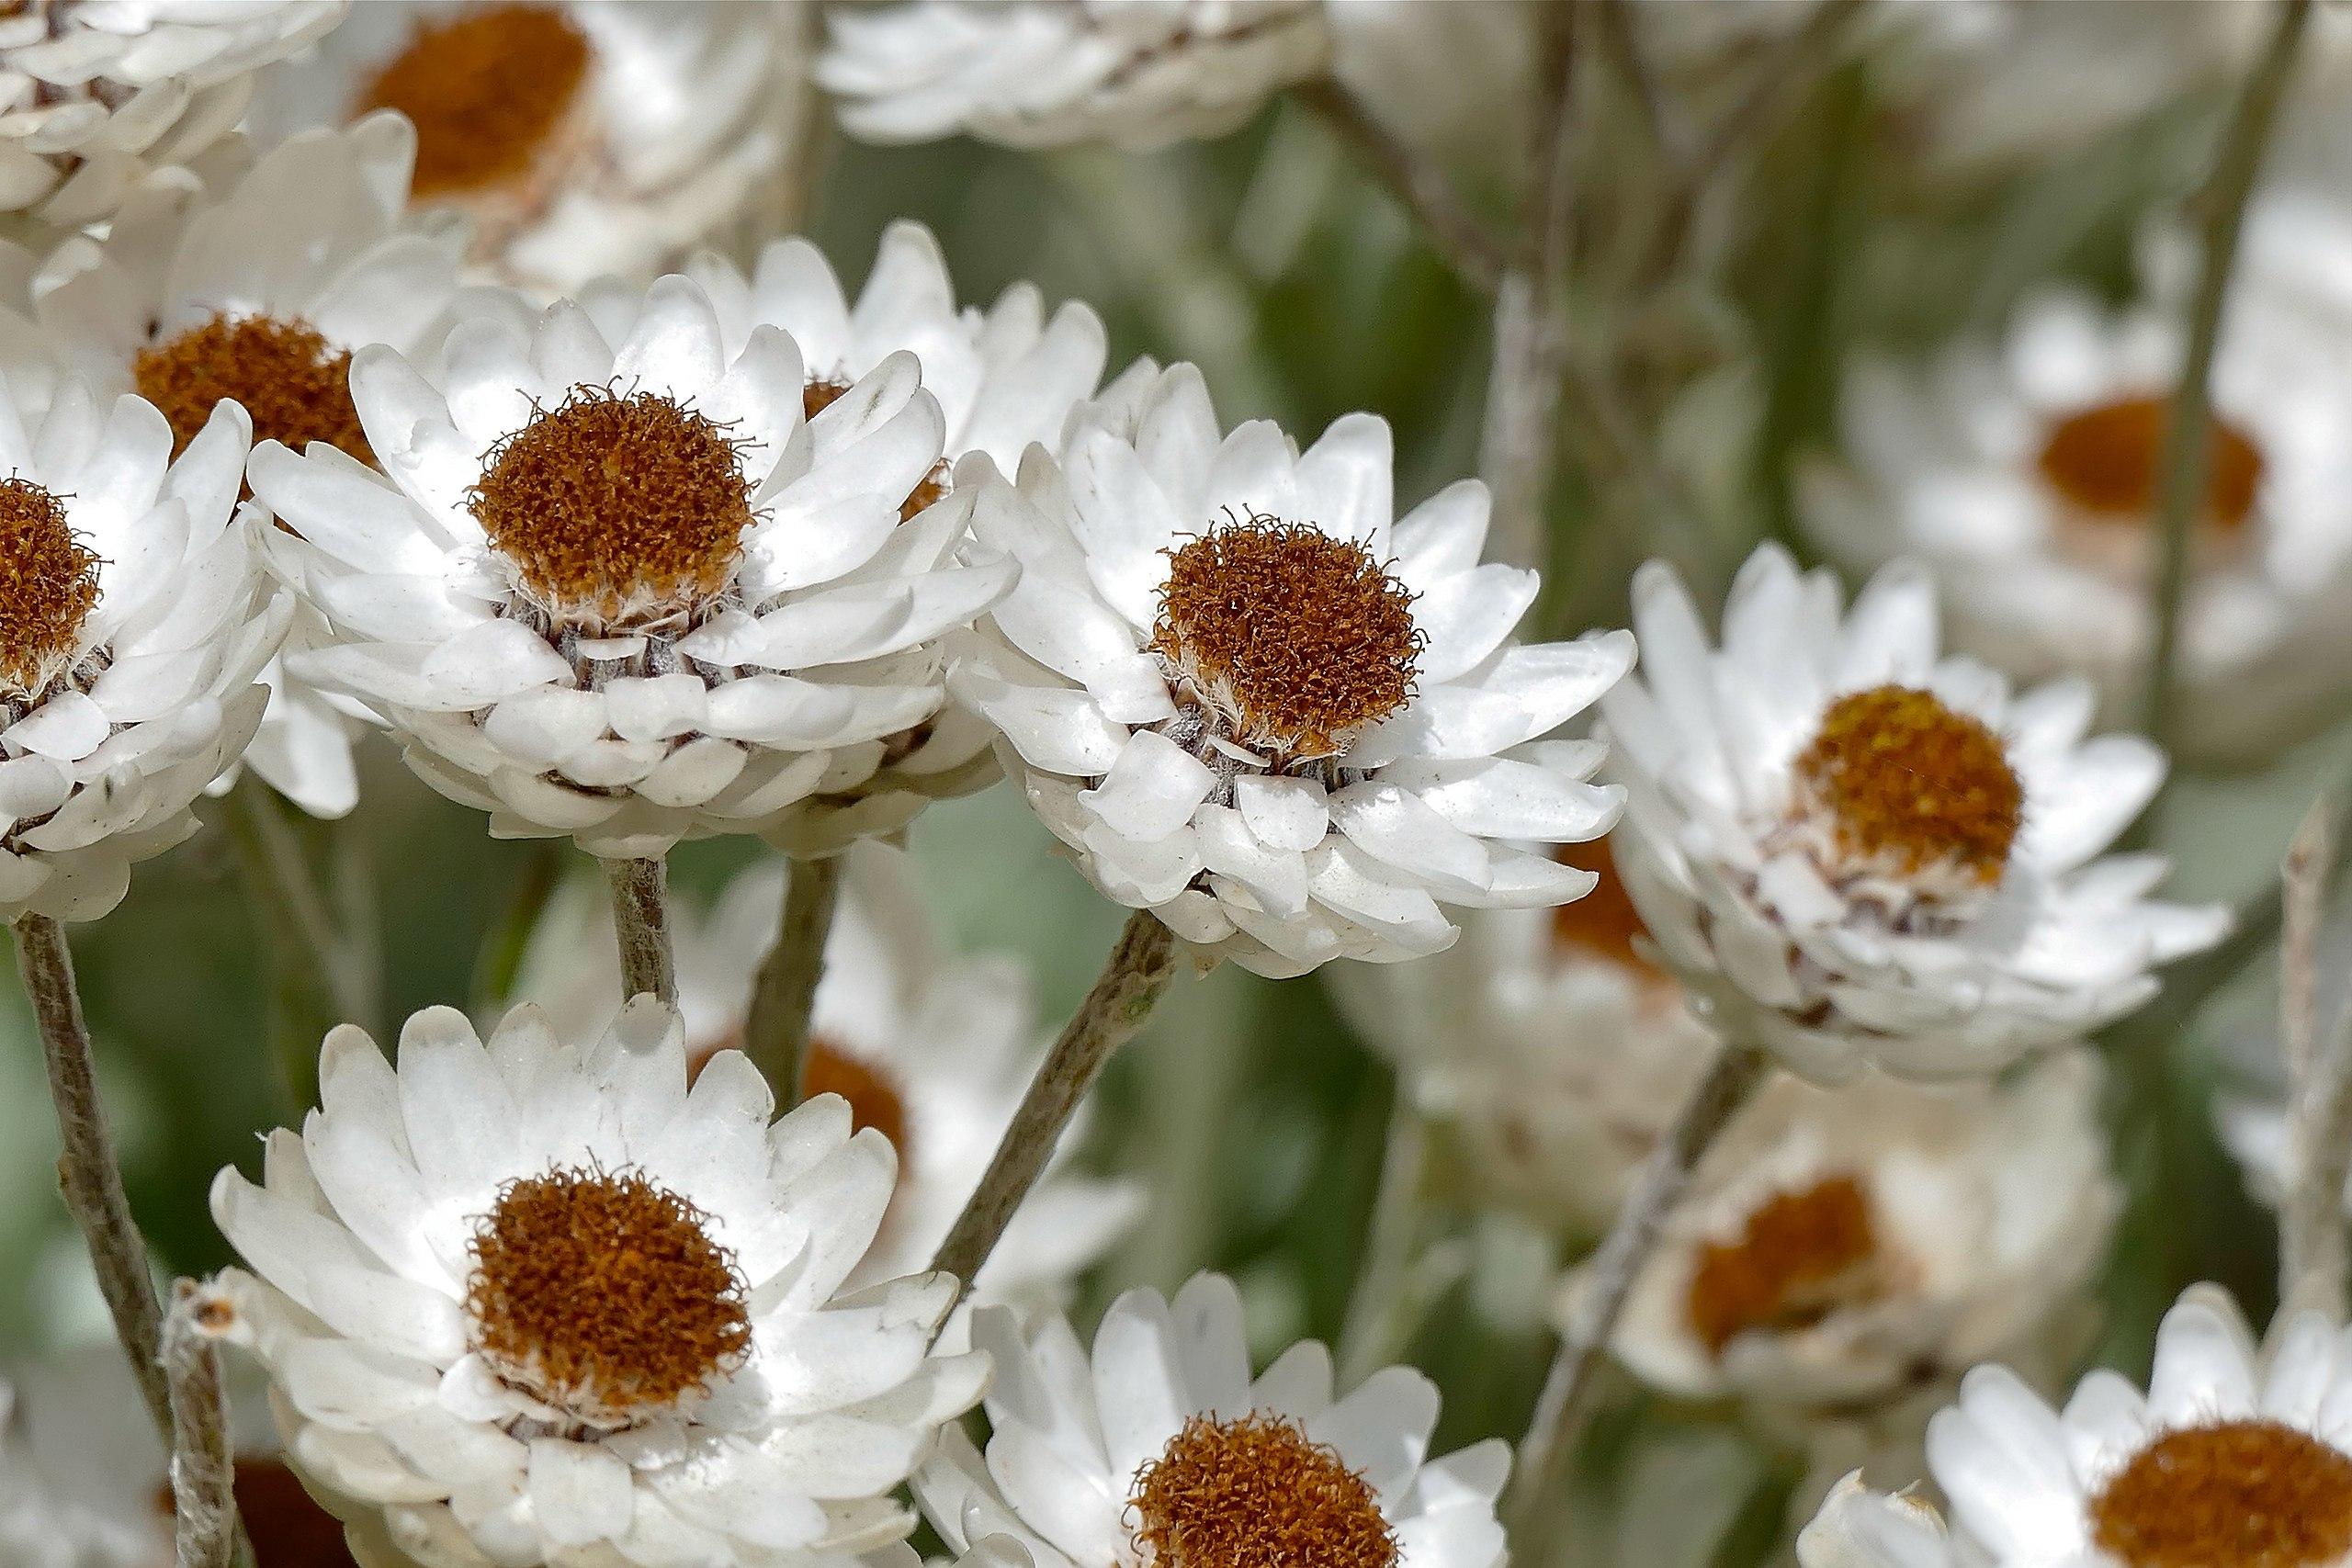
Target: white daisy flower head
x=1052, y=72
x=2236, y=1454
x=259, y=293
x=1547, y=1046
x=632, y=592
x=539, y=1300
x=2026, y=472
x=134, y=620
x=930, y=1050
x=96, y=92
x=1852, y=1248
x=1858, y=1527
x=1856, y=851
x=581, y=139
x=1004, y=376
x=1159, y=1443
x=1250, y=703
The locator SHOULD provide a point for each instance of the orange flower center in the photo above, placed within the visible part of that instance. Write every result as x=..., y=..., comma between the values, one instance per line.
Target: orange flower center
x=295, y=384
x=1800, y=1255
x=874, y=1098
x=2106, y=462
x=48, y=582
x=1604, y=920
x=487, y=92
x=1907, y=779
x=2234, y=1494
x=1256, y=1493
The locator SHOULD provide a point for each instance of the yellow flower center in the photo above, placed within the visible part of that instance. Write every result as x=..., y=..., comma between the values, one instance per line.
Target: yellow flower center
x=1296, y=639
x=1907, y=779
x=602, y=1294
x=2232, y=1494
x=1800, y=1255
x=2105, y=462
x=1255, y=1493
x=295, y=384
x=48, y=582
x=487, y=92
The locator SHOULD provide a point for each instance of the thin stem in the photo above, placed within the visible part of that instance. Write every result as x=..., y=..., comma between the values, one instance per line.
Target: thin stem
x=1141, y=963
x=1560, y=1411
x=1368, y=1333
x=499, y=959
x=641, y=921
x=2313, y=1253
x=204, y=1476
x=786, y=995
x=1466, y=242
x=86, y=1170
x=316, y=981
x=2188, y=427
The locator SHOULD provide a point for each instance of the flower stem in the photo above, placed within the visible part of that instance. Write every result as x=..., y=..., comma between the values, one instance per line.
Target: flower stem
x=86, y=1170
x=1467, y=245
x=317, y=979
x=2188, y=427
x=1560, y=1412
x=499, y=959
x=641, y=921
x=2313, y=1255
x=1369, y=1331
x=1140, y=966
x=781, y=1002
x=204, y=1494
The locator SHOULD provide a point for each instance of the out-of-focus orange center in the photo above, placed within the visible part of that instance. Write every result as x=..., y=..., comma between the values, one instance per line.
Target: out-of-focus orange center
x=2106, y=462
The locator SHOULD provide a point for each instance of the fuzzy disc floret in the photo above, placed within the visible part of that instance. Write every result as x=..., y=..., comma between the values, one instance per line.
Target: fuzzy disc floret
x=2254, y=1493
x=1906, y=780
x=1798, y=1256
x=48, y=583
x=1256, y=1492
x=294, y=384
x=2105, y=460
x=487, y=92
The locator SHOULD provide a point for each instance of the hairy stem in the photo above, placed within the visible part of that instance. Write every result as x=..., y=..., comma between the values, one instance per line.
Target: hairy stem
x=641, y=921
x=1560, y=1407
x=86, y=1170
x=1141, y=963
x=2188, y=427
x=2312, y=1252
x=1467, y=245
x=786, y=995
x=204, y=1477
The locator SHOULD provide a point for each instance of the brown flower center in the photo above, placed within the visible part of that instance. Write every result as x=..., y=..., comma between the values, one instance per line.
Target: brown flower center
x=487, y=92
x=49, y=581
x=874, y=1098
x=1907, y=779
x=289, y=1529
x=821, y=392
x=1255, y=1493
x=295, y=384
x=1604, y=920
x=2234, y=1494
x=616, y=506
x=1298, y=638
x=604, y=1294
x=1800, y=1255
x=2106, y=462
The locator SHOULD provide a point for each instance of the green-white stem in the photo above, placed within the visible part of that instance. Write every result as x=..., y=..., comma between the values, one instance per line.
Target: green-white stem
x=642, y=924
x=786, y=995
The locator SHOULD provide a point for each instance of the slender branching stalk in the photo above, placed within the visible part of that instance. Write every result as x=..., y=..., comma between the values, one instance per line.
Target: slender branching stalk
x=1560, y=1407
x=785, y=993
x=641, y=922
x=499, y=960
x=204, y=1476
x=1417, y=182
x=2188, y=427
x=1140, y=966
x=319, y=975
x=86, y=1171
x=2312, y=1252
x=1368, y=1335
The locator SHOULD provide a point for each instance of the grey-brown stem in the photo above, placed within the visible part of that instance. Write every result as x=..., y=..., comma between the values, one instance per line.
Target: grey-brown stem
x=2313, y=1255
x=204, y=1476
x=641, y=922
x=1138, y=970
x=783, y=1000
x=87, y=1172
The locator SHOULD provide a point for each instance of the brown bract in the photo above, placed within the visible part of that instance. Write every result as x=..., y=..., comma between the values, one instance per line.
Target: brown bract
x=1256, y=1493
x=486, y=91
x=874, y=1098
x=48, y=582
x=2234, y=1494
x=1800, y=1254
x=1305, y=636
x=294, y=384
x=1908, y=780
x=616, y=506
x=2105, y=460
x=604, y=1294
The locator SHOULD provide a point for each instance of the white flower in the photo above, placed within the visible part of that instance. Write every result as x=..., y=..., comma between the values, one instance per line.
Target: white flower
x=540, y=1302
x=930, y=1050
x=95, y=93
x=1858, y=1527
x=1160, y=1444
x=630, y=592
x=1856, y=851
x=1005, y=378
x=583, y=139
x=1848, y=1249
x=1252, y=706
x=2236, y=1454
x=133, y=624
x=259, y=293
x=2025, y=473
x=1551, y=1052
x=1048, y=73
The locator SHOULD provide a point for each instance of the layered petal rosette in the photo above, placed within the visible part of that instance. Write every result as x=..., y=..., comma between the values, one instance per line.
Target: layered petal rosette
x=1857, y=852
x=1253, y=705
x=632, y=591
x=537, y=1301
